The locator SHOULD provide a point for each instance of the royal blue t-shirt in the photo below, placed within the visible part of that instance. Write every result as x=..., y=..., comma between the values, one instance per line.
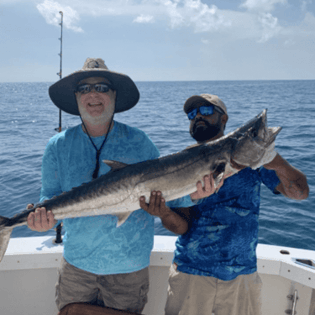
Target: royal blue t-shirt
x=94, y=243
x=223, y=237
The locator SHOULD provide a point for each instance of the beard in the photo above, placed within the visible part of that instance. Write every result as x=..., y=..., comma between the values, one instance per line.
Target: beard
x=205, y=132
x=104, y=118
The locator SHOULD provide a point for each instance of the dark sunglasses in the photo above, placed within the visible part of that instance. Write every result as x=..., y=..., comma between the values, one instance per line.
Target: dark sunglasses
x=98, y=87
x=204, y=111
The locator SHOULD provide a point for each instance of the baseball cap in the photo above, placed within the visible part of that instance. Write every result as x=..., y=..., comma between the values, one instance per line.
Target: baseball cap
x=196, y=101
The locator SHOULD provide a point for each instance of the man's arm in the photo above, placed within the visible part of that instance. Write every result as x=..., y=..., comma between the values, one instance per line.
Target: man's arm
x=41, y=220
x=172, y=221
x=293, y=183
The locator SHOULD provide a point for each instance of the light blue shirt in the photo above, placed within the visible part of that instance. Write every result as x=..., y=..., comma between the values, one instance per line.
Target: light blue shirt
x=94, y=243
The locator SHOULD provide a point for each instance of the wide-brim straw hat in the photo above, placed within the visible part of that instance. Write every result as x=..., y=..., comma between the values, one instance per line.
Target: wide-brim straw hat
x=62, y=92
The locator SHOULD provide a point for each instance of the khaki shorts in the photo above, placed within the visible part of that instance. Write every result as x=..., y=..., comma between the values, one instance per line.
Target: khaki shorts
x=190, y=294
x=121, y=291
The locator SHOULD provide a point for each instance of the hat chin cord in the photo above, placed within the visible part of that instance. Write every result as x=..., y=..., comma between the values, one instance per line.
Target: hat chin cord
x=98, y=151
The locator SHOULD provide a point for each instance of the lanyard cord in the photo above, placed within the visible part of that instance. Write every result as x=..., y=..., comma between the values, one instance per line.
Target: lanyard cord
x=98, y=151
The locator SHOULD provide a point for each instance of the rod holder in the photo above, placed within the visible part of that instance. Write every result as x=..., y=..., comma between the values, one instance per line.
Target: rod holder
x=58, y=239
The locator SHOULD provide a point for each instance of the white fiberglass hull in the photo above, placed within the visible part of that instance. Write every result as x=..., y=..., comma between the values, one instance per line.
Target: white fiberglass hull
x=28, y=274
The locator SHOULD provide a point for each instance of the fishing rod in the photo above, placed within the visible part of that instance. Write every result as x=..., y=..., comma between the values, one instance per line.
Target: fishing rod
x=58, y=239
x=60, y=71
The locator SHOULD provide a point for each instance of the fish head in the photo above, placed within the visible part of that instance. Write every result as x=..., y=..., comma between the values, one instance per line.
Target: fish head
x=253, y=139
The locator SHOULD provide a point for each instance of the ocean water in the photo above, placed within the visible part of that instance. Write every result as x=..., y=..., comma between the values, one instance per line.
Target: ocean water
x=28, y=119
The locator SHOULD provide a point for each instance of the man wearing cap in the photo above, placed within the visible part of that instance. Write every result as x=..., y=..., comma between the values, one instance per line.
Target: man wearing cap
x=214, y=267
x=101, y=263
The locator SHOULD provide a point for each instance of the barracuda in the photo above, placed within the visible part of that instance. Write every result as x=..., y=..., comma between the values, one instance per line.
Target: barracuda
x=118, y=192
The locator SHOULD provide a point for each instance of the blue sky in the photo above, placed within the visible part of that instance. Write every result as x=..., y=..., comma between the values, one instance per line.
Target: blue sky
x=153, y=40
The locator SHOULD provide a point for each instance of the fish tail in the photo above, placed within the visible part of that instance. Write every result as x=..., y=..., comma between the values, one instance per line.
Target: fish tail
x=5, y=233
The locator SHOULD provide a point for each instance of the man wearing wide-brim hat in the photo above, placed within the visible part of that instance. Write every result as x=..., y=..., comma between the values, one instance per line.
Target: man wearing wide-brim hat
x=101, y=264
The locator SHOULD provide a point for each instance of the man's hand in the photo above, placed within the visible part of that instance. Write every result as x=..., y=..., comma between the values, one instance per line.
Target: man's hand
x=156, y=205
x=170, y=220
x=293, y=183
x=40, y=220
x=208, y=189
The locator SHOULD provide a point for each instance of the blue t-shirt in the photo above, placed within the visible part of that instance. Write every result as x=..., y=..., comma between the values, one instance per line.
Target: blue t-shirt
x=223, y=237
x=94, y=243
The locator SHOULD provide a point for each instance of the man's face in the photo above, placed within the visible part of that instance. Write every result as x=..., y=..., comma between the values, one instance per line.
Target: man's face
x=204, y=128
x=96, y=108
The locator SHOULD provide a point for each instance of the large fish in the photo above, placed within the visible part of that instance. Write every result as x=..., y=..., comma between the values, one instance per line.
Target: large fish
x=118, y=192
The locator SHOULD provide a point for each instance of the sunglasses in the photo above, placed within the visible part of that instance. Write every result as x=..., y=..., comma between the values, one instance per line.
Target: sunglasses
x=98, y=87
x=204, y=111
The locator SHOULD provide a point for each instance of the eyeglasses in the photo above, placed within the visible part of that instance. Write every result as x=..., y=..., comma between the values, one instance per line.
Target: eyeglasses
x=204, y=110
x=98, y=87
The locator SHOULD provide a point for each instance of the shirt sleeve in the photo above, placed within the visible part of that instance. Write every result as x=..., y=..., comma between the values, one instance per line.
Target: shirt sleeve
x=270, y=179
x=50, y=183
x=50, y=174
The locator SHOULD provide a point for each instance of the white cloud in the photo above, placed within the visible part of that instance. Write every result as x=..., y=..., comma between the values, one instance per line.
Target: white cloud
x=309, y=20
x=270, y=27
x=289, y=42
x=179, y=13
x=262, y=5
x=250, y=26
x=195, y=13
x=208, y=18
x=304, y=4
x=256, y=23
x=50, y=9
x=266, y=23
x=144, y=19
x=176, y=18
x=132, y=8
x=305, y=29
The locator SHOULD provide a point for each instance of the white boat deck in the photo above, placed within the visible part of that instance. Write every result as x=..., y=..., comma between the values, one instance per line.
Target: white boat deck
x=28, y=274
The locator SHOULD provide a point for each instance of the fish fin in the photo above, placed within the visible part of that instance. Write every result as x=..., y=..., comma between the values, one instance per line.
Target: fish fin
x=3, y=221
x=122, y=218
x=5, y=234
x=273, y=132
x=115, y=165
